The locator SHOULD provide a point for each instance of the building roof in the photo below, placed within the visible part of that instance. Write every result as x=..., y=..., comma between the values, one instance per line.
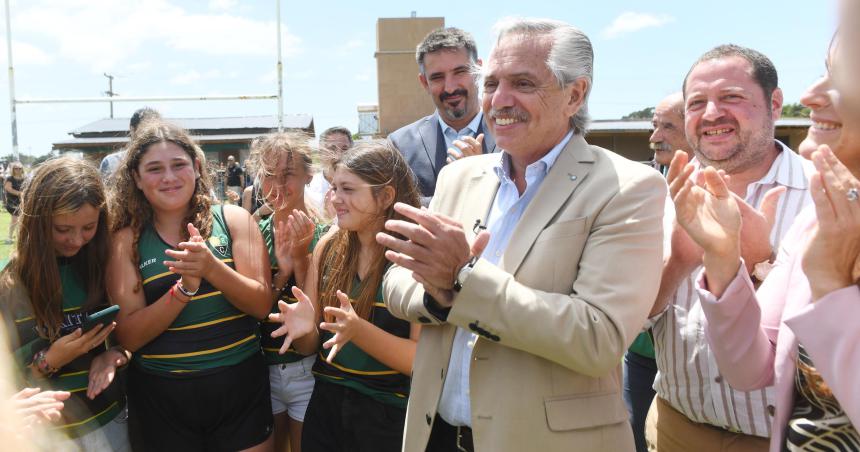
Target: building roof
x=113, y=133
x=90, y=142
x=644, y=125
x=119, y=126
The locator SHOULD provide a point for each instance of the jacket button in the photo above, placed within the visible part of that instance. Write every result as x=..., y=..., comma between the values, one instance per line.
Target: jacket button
x=771, y=410
x=427, y=416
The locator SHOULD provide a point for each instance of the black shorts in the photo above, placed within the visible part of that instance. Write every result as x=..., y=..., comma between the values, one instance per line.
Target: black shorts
x=229, y=410
x=13, y=209
x=340, y=419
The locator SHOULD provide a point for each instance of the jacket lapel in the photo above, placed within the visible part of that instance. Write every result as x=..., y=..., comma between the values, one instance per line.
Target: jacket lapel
x=569, y=170
x=479, y=194
x=429, y=131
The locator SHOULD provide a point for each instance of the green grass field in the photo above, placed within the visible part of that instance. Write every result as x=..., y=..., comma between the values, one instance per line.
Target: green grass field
x=5, y=249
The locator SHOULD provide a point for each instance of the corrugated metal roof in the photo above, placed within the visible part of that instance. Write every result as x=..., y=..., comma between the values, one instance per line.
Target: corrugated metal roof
x=120, y=125
x=616, y=125
x=108, y=141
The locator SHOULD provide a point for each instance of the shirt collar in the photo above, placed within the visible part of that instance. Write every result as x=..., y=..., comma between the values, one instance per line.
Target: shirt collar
x=472, y=126
x=502, y=166
x=786, y=170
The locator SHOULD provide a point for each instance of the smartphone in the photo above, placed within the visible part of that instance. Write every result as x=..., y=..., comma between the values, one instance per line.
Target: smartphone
x=103, y=317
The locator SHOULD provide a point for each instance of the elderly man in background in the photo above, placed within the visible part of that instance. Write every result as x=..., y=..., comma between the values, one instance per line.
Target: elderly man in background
x=528, y=309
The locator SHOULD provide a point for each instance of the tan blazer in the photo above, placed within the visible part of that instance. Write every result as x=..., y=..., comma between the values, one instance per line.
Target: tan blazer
x=569, y=295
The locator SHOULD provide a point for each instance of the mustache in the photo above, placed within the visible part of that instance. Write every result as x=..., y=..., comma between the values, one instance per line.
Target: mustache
x=659, y=146
x=723, y=122
x=508, y=113
x=457, y=92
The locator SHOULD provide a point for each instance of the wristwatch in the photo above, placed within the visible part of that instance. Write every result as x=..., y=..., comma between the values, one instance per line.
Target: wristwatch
x=464, y=273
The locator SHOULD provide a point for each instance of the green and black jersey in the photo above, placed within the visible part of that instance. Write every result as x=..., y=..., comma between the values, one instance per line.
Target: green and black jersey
x=354, y=368
x=209, y=334
x=80, y=415
x=271, y=346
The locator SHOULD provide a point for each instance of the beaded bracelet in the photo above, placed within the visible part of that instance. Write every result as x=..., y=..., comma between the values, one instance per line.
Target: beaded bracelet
x=40, y=361
x=173, y=295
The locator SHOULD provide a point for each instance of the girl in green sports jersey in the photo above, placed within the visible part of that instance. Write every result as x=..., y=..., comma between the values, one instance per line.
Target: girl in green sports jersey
x=284, y=167
x=192, y=280
x=364, y=365
x=56, y=275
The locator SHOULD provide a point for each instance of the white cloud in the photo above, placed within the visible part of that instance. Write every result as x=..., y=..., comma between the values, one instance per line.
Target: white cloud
x=629, y=22
x=222, y=5
x=192, y=76
x=24, y=54
x=354, y=43
x=106, y=34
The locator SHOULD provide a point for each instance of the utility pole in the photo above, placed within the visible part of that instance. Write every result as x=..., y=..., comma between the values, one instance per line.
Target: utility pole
x=110, y=92
x=12, y=113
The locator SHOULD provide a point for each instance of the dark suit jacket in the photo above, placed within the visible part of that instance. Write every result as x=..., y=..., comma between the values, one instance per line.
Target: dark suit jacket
x=423, y=146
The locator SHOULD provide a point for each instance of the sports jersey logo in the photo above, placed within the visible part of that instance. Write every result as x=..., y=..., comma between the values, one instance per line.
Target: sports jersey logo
x=219, y=243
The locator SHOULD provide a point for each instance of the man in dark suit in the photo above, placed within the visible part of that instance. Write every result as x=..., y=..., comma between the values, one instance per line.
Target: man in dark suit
x=447, y=61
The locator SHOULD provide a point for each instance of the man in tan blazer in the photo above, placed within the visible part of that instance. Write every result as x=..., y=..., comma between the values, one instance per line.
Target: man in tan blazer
x=526, y=315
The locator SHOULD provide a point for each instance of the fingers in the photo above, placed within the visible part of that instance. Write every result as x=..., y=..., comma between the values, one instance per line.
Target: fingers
x=677, y=165
x=400, y=251
x=288, y=340
x=193, y=233
x=682, y=176
x=823, y=207
x=715, y=184
x=345, y=304
x=837, y=180
x=300, y=295
x=453, y=154
x=415, y=233
x=335, y=347
x=421, y=216
x=480, y=243
x=26, y=393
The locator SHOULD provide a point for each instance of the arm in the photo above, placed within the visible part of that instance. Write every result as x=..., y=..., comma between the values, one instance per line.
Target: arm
x=8, y=187
x=395, y=352
x=589, y=328
x=742, y=328
x=246, y=198
x=247, y=287
x=137, y=323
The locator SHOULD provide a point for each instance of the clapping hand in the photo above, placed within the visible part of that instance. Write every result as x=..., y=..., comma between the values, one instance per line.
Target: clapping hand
x=297, y=319
x=36, y=407
x=193, y=259
x=435, y=249
x=466, y=146
x=346, y=323
x=831, y=256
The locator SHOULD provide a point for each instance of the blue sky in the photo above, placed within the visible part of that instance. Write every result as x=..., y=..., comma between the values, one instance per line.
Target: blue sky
x=227, y=47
